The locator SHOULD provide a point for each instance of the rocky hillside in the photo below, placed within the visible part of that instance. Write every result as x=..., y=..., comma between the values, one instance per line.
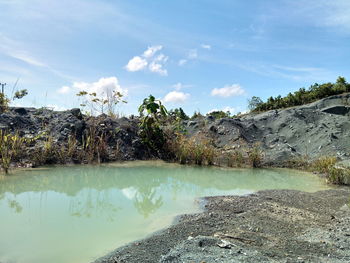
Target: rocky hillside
x=119, y=135
x=311, y=131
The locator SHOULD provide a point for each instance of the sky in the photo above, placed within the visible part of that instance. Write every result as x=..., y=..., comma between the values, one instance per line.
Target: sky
x=201, y=55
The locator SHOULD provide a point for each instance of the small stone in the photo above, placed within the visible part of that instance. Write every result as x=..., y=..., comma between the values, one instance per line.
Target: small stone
x=225, y=244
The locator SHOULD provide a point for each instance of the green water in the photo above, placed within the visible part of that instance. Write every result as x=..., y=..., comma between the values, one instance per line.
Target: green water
x=76, y=214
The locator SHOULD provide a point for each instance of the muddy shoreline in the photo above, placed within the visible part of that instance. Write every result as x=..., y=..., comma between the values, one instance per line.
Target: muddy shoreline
x=267, y=226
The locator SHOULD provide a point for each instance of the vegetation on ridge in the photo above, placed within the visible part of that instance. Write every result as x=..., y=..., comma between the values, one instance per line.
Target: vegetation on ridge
x=300, y=97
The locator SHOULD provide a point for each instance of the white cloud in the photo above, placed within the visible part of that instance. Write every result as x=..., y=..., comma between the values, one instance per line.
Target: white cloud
x=56, y=107
x=229, y=109
x=228, y=91
x=102, y=87
x=161, y=58
x=151, y=51
x=64, y=90
x=193, y=54
x=148, y=58
x=129, y=192
x=136, y=63
x=176, y=96
x=156, y=65
x=158, y=68
x=182, y=62
x=179, y=86
x=206, y=46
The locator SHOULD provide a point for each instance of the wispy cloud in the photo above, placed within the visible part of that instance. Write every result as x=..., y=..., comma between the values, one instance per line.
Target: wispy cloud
x=64, y=90
x=14, y=50
x=179, y=86
x=228, y=91
x=191, y=55
x=182, y=62
x=206, y=46
x=322, y=13
x=309, y=74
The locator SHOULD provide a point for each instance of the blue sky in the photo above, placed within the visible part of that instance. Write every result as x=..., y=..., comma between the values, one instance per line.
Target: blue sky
x=198, y=55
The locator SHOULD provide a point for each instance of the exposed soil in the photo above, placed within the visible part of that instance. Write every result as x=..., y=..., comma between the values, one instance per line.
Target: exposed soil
x=318, y=129
x=269, y=226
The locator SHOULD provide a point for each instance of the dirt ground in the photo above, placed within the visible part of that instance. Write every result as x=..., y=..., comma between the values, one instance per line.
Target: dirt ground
x=268, y=226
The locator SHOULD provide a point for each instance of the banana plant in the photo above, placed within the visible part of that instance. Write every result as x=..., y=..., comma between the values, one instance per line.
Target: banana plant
x=152, y=113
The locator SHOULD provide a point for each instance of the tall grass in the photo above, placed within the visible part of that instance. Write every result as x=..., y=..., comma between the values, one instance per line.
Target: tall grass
x=255, y=156
x=201, y=151
x=323, y=164
x=95, y=146
x=45, y=149
x=235, y=159
x=192, y=150
x=327, y=165
x=11, y=148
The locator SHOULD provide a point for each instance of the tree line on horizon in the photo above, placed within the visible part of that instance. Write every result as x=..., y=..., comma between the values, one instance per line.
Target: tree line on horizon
x=300, y=97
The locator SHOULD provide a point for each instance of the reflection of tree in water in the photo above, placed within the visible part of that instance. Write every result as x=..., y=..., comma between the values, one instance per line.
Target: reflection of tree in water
x=146, y=203
x=94, y=204
x=15, y=206
x=176, y=187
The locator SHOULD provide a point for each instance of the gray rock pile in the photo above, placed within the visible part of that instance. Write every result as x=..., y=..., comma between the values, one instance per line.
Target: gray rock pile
x=310, y=131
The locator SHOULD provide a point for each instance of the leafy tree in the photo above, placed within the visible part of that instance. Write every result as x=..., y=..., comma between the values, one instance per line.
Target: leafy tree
x=196, y=115
x=178, y=113
x=19, y=94
x=5, y=100
x=153, y=114
x=254, y=102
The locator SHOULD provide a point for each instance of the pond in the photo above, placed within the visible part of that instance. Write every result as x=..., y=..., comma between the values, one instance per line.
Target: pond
x=79, y=213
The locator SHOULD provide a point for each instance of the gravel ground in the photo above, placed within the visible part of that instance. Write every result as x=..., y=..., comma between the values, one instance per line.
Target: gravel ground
x=269, y=226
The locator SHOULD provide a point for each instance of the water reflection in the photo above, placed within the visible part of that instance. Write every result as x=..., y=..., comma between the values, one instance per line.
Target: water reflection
x=86, y=211
x=143, y=184
x=17, y=208
x=94, y=203
x=146, y=202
